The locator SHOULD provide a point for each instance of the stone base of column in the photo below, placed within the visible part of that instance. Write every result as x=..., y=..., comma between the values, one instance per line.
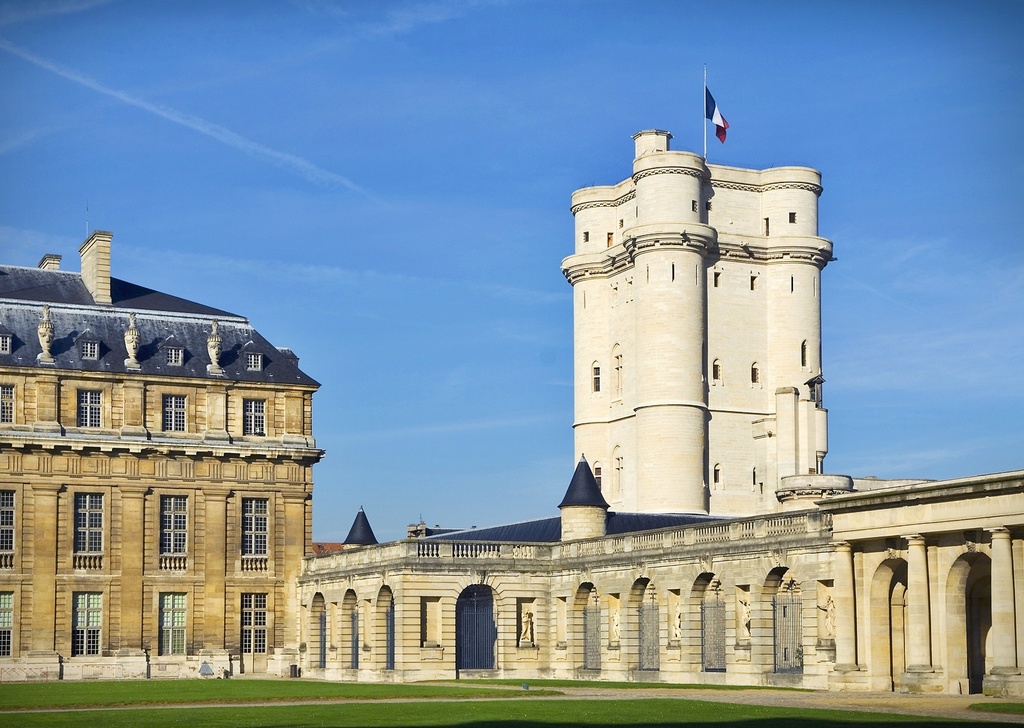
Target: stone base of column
x=1004, y=686
x=921, y=679
x=848, y=677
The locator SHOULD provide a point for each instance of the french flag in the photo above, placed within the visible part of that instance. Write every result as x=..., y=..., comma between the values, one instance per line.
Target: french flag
x=712, y=112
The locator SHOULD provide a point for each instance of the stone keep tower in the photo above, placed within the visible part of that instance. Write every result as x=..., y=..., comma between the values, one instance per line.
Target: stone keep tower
x=697, y=332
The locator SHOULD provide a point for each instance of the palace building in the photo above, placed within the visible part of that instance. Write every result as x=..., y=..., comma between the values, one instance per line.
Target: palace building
x=700, y=539
x=156, y=471
x=156, y=464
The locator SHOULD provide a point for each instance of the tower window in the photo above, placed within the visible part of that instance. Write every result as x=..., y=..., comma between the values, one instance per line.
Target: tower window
x=707, y=205
x=753, y=283
x=693, y=205
x=767, y=228
x=755, y=374
x=597, y=475
x=620, y=223
x=611, y=239
x=716, y=476
x=618, y=376
x=803, y=354
x=597, y=379
x=716, y=372
x=586, y=236
x=717, y=278
x=792, y=217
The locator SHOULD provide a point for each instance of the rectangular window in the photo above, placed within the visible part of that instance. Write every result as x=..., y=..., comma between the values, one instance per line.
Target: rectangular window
x=792, y=217
x=597, y=476
x=254, y=623
x=753, y=283
x=87, y=620
x=5, y=343
x=6, y=520
x=90, y=408
x=254, y=420
x=597, y=379
x=611, y=239
x=254, y=526
x=254, y=362
x=6, y=403
x=175, y=356
x=173, y=524
x=693, y=206
x=88, y=522
x=586, y=236
x=6, y=622
x=90, y=350
x=717, y=278
x=172, y=624
x=174, y=413
x=707, y=205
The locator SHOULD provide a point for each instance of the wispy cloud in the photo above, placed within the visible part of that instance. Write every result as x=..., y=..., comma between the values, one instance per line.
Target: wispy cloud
x=225, y=136
x=445, y=428
x=25, y=12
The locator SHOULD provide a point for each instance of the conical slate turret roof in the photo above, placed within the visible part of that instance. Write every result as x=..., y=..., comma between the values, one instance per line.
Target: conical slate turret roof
x=360, y=534
x=583, y=489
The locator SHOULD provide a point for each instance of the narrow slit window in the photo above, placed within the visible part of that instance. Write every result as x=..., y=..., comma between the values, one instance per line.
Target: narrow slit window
x=755, y=374
x=611, y=239
x=717, y=279
x=792, y=217
x=586, y=236
x=767, y=228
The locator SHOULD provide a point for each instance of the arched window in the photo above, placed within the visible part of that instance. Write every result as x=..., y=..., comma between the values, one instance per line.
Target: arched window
x=716, y=372
x=597, y=377
x=716, y=477
x=617, y=361
x=803, y=354
x=597, y=475
x=755, y=374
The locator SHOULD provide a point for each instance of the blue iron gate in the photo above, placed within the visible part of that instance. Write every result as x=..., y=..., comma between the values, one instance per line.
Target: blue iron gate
x=475, y=630
x=787, y=612
x=650, y=642
x=389, y=637
x=354, y=662
x=592, y=636
x=322, y=655
x=712, y=634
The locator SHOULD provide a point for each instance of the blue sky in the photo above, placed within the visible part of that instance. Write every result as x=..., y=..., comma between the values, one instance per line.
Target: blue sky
x=384, y=187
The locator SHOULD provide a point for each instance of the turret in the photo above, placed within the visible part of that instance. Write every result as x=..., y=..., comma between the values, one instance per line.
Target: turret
x=584, y=509
x=360, y=534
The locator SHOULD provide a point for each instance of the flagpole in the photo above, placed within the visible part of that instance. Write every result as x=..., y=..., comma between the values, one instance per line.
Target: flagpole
x=704, y=101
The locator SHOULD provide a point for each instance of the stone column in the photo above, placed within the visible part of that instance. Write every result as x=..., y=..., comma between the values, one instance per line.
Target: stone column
x=1004, y=638
x=919, y=657
x=846, y=622
x=295, y=538
x=44, y=566
x=215, y=558
x=134, y=423
x=132, y=530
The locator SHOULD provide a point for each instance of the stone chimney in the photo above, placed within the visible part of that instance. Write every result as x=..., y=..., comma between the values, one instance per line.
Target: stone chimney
x=95, y=253
x=50, y=261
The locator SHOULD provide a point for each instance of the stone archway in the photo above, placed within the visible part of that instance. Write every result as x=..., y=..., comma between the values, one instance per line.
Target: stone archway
x=476, y=632
x=385, y=628
x=969, y=620
x=317, y=648
x=587, y=627
x=888, y=624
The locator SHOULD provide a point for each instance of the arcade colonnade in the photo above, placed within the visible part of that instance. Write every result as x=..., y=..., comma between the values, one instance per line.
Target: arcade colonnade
x=917, y=588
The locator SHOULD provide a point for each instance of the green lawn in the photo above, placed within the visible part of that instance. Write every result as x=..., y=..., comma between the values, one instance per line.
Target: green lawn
x=1013, y=708
x=66, y=694
x=534, y=684
x=490, y=714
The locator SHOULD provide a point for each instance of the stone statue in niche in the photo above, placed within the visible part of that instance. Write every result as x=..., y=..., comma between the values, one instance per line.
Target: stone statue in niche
x=616, y=626
x=830, y=616
x=677, y=626
x=131, y=342
x=744, y=618
x=526, y=636
x=45, y=333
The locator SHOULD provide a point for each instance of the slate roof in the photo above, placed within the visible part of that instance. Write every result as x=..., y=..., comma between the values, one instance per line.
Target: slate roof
x=162, y=320
x=549, y=530
x=360, y=534
x=583, y=488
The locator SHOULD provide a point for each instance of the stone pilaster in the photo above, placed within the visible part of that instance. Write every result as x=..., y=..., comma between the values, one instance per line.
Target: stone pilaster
x=216, y=414
x=846, y=618
x=919, y=657
x=1004, y=637
x=47, y=404
x=133, y=522
x=133, y=417
x=215, y=557
x=44, y=566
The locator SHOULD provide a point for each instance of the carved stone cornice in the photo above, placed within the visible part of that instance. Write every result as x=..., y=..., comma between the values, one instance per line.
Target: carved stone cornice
x=688, y=171
x=603, y=203
x=771, y=187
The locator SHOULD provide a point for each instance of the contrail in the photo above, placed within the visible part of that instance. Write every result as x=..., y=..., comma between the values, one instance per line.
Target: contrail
x=297, y=164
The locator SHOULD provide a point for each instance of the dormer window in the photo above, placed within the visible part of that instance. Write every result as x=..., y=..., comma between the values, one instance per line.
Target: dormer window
x=90, y=350
x=175, y=356
x=254, y=362
x=5, y=344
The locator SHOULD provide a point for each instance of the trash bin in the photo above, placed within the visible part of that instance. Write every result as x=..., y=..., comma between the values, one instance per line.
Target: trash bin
x=293, y=671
